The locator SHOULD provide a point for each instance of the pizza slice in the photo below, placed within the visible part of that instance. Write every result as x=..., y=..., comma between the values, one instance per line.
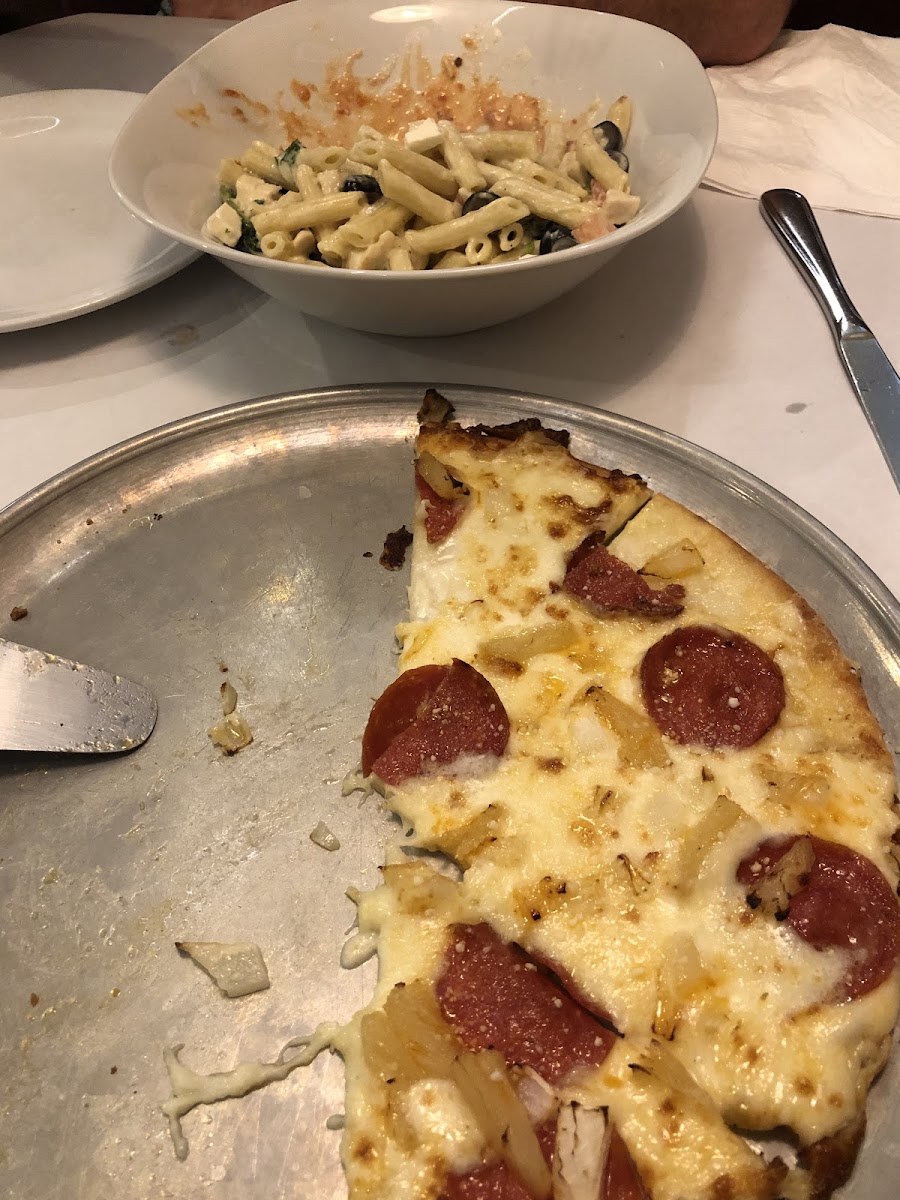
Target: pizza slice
x=662, y=914
x=478, y=1073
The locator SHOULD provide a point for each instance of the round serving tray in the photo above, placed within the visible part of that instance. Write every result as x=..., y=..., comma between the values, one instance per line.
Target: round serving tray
x=249, y=538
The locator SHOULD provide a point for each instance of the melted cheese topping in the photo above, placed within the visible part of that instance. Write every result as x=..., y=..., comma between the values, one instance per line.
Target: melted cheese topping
x=616, y=857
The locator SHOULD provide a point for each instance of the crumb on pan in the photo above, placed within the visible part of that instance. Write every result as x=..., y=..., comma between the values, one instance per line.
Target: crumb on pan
x=395, y=546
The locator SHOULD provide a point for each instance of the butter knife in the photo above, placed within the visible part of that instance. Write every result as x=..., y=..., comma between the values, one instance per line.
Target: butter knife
x=52, y=703
x=874, y=380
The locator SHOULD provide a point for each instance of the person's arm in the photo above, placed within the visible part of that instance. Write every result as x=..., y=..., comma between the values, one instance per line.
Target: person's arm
x=717, y=31
x=229, y=10
x=724, y=32
x=16, y=14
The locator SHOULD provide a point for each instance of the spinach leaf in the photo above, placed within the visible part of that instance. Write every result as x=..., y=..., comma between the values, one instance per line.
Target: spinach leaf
x=249, y=237
x=288, y=156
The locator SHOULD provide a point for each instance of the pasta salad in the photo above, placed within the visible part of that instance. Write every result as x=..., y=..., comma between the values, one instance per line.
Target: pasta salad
x=437, y=199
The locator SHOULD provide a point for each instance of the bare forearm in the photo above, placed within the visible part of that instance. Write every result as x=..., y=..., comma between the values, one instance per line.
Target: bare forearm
x=717, y=31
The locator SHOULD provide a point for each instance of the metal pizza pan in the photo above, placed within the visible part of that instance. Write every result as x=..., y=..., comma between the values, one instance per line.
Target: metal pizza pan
x=248, y=538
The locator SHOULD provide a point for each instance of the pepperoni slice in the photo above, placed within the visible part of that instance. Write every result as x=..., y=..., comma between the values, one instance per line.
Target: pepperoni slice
x=622, y=1179
x=711, y=687
x=497, y=1181
x=428, y=718
x=397, y=708
x=498, y=998
x=610, y=585
x=845, y=904
x=441, y=516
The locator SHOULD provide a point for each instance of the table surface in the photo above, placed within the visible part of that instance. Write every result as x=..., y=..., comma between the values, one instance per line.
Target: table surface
x=703, y=329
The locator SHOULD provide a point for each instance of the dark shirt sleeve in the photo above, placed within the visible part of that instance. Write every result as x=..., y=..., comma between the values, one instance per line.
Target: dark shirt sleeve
x=873, y=16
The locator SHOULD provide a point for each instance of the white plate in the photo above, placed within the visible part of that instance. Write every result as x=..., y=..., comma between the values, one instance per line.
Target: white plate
x=69, y=245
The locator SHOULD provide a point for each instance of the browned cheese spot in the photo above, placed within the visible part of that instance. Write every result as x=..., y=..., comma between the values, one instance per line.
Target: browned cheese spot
x=584, y=515
x=364, y=1151
x=542, y=899
x=723, y=1188
x=552, y=765
x=501, y=666
x=585, y=831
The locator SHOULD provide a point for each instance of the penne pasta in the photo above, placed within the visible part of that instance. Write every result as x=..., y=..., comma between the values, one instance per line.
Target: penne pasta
x=308, y=186
x=598, y=163
x=374, y=257
x=451, y=261
x=620, y=112
x=433, y=198
x=229, y=172
x=525, y=168
x=303, y=214
x=304, y=242
x=400, y=259
x=307, y=182
x=324, y=159
x=545, y=202
x=527, y=249
x=554, y=147
x=259, y=159
x=426, y=171
x=330, y=182
x=511, y=236
x=572, y=168
x=418, y=258
x=352, y=167
x=479, y=250
x=492, y=172
x=334, y=248
x=384, y=216
x=475, y=224
x=412, y=195
x=277, y=245
x=508, y=143
x=460, y=160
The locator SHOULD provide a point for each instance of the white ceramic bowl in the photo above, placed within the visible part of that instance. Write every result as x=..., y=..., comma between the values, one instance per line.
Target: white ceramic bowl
x=164, y=162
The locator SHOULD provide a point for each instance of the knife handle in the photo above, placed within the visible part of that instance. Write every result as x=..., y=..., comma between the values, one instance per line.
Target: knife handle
x=790, y=218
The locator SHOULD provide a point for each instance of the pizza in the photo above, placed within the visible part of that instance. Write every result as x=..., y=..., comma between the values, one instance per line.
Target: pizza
x=639, y=937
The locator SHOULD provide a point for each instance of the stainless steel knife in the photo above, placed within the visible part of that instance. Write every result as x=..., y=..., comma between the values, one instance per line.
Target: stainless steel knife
x=874, y=379
x=52, y=703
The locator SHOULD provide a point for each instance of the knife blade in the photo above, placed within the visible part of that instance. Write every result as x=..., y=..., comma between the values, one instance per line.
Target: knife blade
x=869, y=369
x=55, y=704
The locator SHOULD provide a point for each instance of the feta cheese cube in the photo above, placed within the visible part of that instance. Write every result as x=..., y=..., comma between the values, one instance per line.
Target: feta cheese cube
x=224, y=225
x=423, y=135
x=620, y=207
x=251, y=193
